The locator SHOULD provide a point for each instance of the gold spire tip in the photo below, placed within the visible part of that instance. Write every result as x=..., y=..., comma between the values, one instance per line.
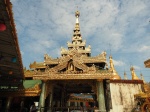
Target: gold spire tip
x=77, y=14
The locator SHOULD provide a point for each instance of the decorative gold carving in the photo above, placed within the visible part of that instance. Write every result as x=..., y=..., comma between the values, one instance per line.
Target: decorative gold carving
x=147, y=63
x=37, y=65
x=78, y=61
x=144, y=99
x=65, y=76
x=146, y=88
x=100, y=58
x=71, y=63
x=35, y=91
x=29, y=73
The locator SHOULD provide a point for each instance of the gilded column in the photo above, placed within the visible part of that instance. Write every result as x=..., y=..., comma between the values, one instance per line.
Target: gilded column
x=101, y=98
x=42, y=97
x=8, y=103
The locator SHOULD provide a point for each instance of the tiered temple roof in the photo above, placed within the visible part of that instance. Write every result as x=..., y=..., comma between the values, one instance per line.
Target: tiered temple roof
x=75, y=62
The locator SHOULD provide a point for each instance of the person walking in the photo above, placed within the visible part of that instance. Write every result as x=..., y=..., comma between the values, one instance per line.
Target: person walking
x=33, y=108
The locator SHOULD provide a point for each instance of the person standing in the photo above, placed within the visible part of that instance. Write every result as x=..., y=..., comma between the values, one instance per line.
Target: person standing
x=33, y=108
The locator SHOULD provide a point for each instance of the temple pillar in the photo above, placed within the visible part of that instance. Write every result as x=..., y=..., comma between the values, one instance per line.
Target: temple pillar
x=62, y=98
x=42, y=96
x=100, y=96
x=22, y=104
x=75, y=104
x=8, y=103
x=68, y=104
x=50, y=98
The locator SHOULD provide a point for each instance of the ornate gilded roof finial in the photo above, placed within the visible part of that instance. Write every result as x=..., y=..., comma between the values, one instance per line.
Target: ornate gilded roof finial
x=110, y=48
x=77, y=43
x=125, y=76
x=134, y=76
x=77, y=14
x=142, y=78
x=111, y=62
x=112, y=69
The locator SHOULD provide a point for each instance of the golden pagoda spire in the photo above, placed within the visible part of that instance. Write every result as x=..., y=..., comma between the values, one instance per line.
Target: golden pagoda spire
x=125, y=76
x=111, y=63
x=112, y=69
x=77, y=27
x=142, y=78
x=134, y=76
x=77, y=43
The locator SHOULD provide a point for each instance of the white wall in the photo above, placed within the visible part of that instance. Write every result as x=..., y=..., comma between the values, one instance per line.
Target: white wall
x=122, y=95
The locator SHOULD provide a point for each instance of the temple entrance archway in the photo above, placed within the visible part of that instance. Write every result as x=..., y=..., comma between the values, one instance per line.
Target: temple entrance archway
x=71, y=94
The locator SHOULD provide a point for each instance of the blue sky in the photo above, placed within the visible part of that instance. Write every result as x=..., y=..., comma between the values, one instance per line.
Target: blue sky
x=119, y=27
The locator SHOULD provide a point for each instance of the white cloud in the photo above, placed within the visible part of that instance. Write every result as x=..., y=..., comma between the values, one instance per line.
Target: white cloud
x=144, y=48
x=22, y=53
x=118, y=63
x=136, y=67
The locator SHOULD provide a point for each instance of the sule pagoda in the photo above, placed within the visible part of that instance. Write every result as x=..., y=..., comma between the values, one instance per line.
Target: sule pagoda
x=77, y=82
